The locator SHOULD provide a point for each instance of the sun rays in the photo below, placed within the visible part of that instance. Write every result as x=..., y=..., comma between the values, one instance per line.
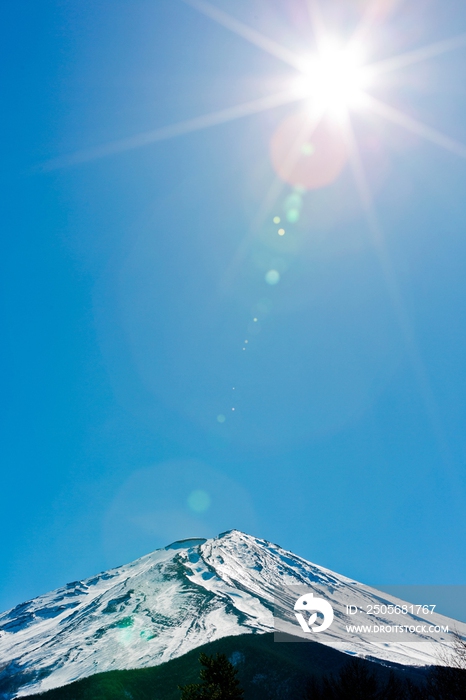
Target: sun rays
x=399, y=307
x=336, y=75
x=424, y=54
x=168, y=132
x=332, y=83
x=413, y=125
x=333, y=78
x=335, y=82
x=242, y=30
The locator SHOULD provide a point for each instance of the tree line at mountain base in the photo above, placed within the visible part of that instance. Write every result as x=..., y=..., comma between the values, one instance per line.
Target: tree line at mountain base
x=266, y=670
x=219, y=681
x=356, y=682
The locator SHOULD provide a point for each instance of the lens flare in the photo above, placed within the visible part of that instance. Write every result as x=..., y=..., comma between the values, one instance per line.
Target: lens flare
x=272, y=277
x=199, y=501
x=303, y=167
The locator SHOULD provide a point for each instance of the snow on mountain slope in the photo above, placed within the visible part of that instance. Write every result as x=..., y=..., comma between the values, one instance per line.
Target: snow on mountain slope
x=169, y=602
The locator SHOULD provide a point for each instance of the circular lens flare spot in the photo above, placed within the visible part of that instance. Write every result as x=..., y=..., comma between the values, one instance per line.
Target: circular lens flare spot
x=199, y=501
x=272, y=277
x=292, y=215
x=298, y=168
x=308, y=149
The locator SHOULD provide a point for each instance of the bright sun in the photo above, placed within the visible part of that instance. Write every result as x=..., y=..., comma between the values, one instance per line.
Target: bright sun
x=334, y=79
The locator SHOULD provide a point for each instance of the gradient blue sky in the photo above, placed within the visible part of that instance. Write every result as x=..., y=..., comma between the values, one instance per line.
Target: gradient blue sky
x=130, y=282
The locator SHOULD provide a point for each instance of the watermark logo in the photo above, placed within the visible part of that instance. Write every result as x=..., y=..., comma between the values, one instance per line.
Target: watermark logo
x=314, y=606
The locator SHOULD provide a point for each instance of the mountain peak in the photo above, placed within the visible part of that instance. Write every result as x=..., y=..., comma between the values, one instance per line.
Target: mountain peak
x=166, y=603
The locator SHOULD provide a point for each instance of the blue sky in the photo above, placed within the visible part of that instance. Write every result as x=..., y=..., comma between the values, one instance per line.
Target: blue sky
x=130, y=282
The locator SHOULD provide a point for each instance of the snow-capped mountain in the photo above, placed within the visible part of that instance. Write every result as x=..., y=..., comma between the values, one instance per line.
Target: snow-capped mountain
x=176, y=599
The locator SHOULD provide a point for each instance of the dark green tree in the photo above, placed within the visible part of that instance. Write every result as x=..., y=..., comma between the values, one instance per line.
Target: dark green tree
x=355, y=682
x=394, y=689
x=446, y=683
x=218, y=681
x=312, y=690
x=414, y=691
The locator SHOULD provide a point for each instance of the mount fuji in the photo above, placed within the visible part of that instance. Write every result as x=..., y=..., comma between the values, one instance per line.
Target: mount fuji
x=176, y=599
